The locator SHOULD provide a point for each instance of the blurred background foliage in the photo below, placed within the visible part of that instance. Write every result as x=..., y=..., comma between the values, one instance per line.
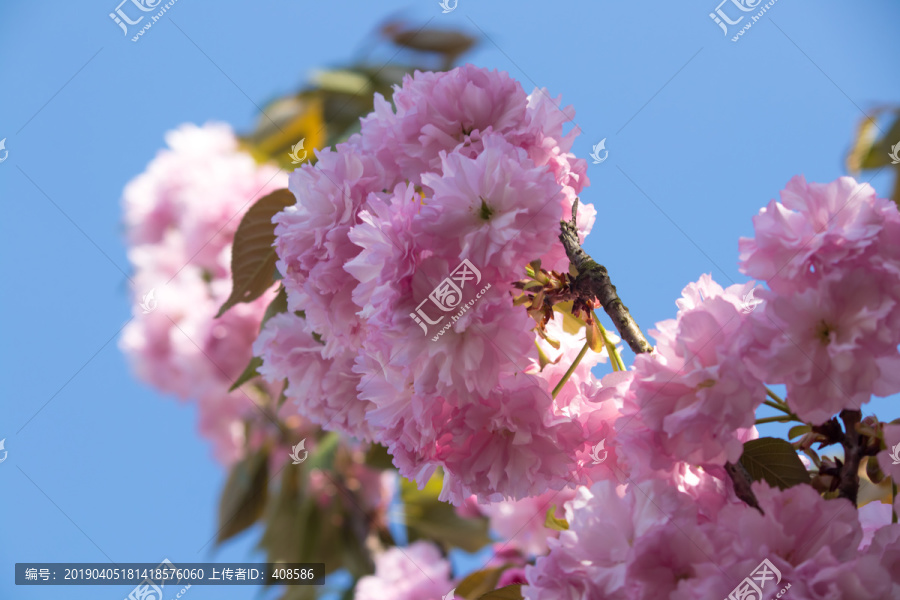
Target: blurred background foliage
x=326, y=110
x=876, y=145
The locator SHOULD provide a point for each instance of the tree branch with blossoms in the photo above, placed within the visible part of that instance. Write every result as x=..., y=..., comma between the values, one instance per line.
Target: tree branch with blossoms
x=463, y=417
x=593, y=282
x=858, y=441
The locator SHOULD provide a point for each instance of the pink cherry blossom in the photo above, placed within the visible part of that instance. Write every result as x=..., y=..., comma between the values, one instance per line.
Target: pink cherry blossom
x=885, y=548
x=323, y=389
x=872, y=517
x=402, y=250
x=495, y=207
x=180, y=219
x=520, y=524
x=416, y=572
x=814, y=228
x=313, y=246
x=693, y=394
x=438, y=112
x=590, y=559
x=828, y=344
x=648, y=540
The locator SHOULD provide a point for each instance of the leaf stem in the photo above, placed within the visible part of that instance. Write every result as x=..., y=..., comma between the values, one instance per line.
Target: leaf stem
x=778, y=419
x=775, y=397
x=894, y=500
x=784, y=409
x=611, y=350
x=778, y=406
x=572, y=368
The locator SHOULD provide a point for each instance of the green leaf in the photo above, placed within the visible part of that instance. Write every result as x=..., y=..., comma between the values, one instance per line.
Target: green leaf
x=869, y=152
x=277, y=306
x=571, y=323
x=249, y=373
x=774, y=461
x=279, y=539
x=594, y=337
x=354, y=556
x=862, y=154
x=253, y=258
x=798, y=430
x=379, y=458
x=326, y=448
x=325, y=535
x=551, y=521
x=244, y=497
x=430, y=519
x=510, y=592
x=344, y=81
x=283, y=397
x=543, y=359
x=479, y=583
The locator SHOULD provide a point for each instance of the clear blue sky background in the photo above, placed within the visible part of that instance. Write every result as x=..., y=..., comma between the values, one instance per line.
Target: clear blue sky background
x=701, y=132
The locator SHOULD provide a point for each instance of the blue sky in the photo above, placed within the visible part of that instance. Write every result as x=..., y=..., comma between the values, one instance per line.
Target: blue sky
x=701, y=133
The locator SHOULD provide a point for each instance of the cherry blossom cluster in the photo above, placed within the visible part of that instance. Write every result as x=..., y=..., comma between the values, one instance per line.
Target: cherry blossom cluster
x=402, y=251
x=831, y=320
x=181, y=215
x=827, y=329
x=402, y=260
x=651, y=541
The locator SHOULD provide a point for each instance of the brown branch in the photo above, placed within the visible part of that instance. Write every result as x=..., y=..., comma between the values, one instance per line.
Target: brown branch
x=853, y=454
x=593, y=282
